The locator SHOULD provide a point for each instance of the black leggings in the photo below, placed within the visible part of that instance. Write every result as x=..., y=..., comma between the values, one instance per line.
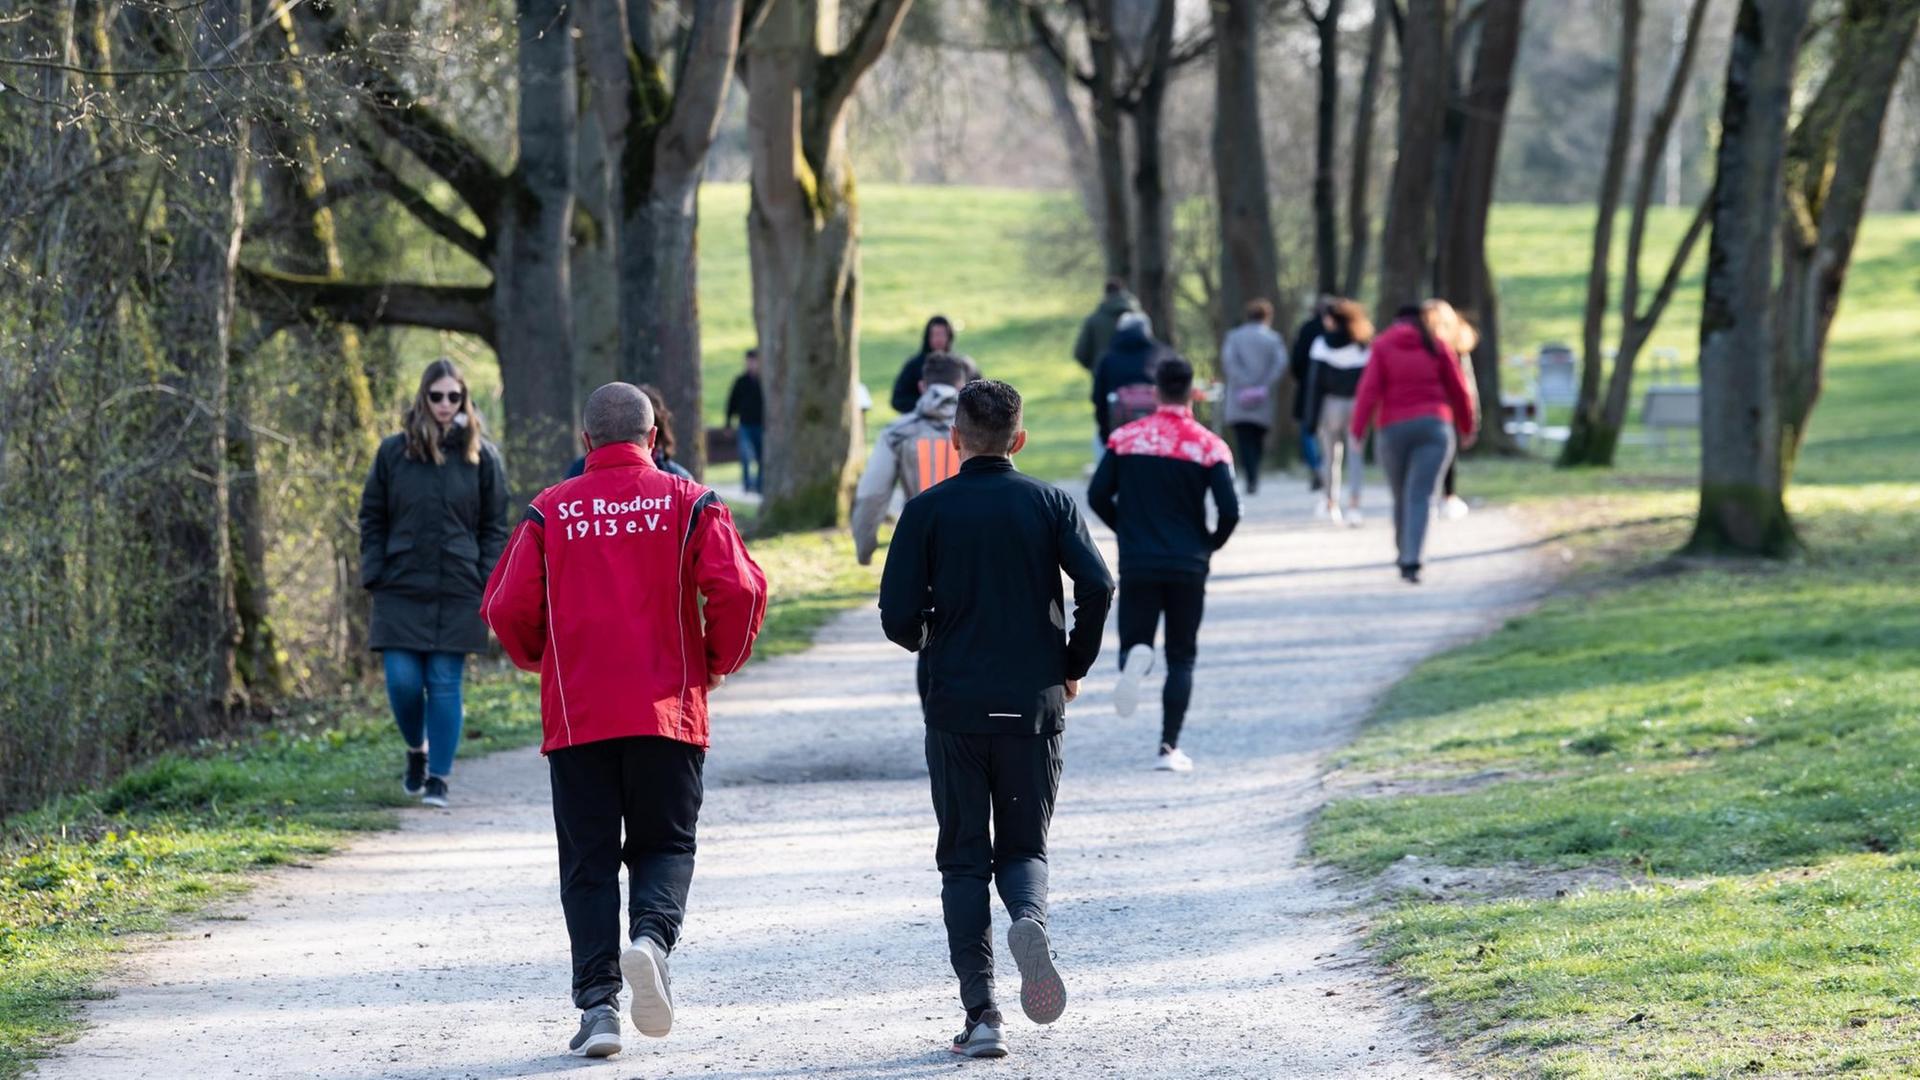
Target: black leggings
x=1248, y=441
x=1183, y=600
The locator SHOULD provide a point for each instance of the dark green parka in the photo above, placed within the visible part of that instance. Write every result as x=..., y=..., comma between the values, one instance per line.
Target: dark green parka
x=429, y=536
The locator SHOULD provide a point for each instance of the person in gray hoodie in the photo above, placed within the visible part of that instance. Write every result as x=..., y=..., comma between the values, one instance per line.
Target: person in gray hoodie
x=913, y=453
x=1253, y=358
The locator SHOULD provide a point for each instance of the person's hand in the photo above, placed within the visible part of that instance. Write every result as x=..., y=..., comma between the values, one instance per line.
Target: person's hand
x=1073, y=689
x=715, y=682
x=1471, y=437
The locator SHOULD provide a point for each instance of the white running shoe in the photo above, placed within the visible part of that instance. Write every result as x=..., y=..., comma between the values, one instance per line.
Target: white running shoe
x=1355, y=518
x=1334, y=515
x=1454, y=508
x=1172, y=759
x=644, y=966
x=1126, y=693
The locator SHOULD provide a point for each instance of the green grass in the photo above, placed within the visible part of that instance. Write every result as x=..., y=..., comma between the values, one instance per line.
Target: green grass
x=82, y=878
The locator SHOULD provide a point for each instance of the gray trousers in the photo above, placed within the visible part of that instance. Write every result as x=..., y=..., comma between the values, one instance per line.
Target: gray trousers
x=1414, y=454
x=1337, y=449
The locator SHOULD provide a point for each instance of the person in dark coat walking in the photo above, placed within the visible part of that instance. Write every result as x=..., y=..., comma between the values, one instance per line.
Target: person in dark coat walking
x=1299, y=363
x=433, y=521
x=973, y=582
x=1127, y=369
x=937, y=337
x=747, y=403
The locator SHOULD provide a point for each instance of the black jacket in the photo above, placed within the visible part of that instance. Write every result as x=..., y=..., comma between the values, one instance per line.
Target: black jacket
x=1151, y=490
x=1298, y=361
x=429, y=536
x=906, y=385
x=1129, y=361
x=1326, y=379
x=973, y=580
x=747, y=401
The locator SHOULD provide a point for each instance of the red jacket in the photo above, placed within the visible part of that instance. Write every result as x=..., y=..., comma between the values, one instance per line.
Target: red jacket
x=1405, y=380
x=600, y=590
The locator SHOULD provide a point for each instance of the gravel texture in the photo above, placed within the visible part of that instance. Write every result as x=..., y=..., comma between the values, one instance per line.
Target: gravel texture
x=1194, y=940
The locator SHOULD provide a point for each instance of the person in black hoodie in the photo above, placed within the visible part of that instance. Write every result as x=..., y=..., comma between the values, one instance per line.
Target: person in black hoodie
x=1128, y=363
x=938, y=337
x=1299, y=363
x=1151, y=489
x=973, y=580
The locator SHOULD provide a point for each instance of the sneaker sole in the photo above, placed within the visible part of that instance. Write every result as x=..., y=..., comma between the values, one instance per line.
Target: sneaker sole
x=984, y=1050
x=434, y=801
x=652, y=1007
x=412, y=792
x=1043, y=997
x=1126, y=694
x=598, y=1047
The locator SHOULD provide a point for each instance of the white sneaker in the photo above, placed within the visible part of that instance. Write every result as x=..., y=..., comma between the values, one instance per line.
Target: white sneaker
x=644, y=966
x=1173, y=759
x=1126, y=693
x=1355, y=518
x=1454, y=508
x=1334, y=515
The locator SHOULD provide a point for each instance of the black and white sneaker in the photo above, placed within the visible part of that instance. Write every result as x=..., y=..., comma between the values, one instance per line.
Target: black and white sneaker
x=982, y=1038
x=644, y=966
x=599, y=1034
x=1043, y=997
x=436, y=795
x=414, y=783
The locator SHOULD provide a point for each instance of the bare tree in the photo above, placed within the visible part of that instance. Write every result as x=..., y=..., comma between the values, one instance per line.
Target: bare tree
x=1462, y=274
x=803, y=234
x=1407, y=243
x=1829, y=166
x=1742, y=485
x=1360, y=175
x=1597, y=422
x=1249, y=262
x=1326, y=210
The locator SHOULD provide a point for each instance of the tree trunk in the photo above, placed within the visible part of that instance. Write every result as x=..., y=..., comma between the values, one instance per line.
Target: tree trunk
x=1360, y=180
x=593, y=263
x=1407, y=243
x=1154, y=224
x=532, y=304
x=257, y=656
x=802, y=232
x=1588, y=442
x=1116, y=235
x=1829, y=167
x=1742, y=509
x=1249, y=262
x=1465, y=279
x=187, y=514
x=1326, y=212
x=1066, y=116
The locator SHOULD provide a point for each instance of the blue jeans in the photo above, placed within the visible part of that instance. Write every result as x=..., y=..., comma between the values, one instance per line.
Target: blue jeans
x=752, y=437
x=1310, y=451
x=424, y=690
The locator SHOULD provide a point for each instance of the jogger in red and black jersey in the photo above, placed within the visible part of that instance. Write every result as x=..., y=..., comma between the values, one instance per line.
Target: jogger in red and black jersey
x=1151, y=490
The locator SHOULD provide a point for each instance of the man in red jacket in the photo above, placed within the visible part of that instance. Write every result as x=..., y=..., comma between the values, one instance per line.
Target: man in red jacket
x=600, y=591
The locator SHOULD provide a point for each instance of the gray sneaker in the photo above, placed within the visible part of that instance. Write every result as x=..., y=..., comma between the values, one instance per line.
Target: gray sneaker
x=1043, y=997
x=982, y=1038
x=599, y=1034
x=644, y=966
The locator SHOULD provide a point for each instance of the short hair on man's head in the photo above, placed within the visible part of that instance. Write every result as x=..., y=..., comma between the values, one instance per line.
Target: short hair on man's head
x=988, y=418
x=753, y=354
x=617, y=412
x=1115, y=285
x=1259, y=311
x=1173, y=379
x=943, y=369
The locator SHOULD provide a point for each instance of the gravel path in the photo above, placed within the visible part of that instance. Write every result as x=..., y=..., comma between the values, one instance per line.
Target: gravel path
x=1194, y=941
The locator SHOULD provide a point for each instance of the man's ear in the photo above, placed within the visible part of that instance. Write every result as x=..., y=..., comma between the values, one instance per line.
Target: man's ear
x=953, y=437
x=1019, y=442
x=586, y=440
x=653, y=436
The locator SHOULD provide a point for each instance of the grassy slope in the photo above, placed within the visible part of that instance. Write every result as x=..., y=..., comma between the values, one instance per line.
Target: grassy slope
x=1737, y=741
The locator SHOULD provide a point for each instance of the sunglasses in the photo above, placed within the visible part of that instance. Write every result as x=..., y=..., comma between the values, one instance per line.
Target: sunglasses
x=455, y=397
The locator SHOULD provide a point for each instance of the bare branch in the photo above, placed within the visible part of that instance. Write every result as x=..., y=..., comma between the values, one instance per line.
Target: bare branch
x=702, y=87
x=841, y=72
x=1644, y=324
x=292, y=298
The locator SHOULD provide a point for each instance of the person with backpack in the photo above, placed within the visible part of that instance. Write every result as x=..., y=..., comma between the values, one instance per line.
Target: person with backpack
x=433, y=521
x=937, y=337
x=1416, y=395
x=1097, y=329
x=1123, y=380
x=1339, y=355
x=630, y=591
x=912, y=454
x=1151, y=489
x=973, y=581
x=1253, y=359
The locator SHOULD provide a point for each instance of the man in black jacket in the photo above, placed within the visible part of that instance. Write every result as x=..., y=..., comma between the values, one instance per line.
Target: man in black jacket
x=1151, y=490
x=973, y=580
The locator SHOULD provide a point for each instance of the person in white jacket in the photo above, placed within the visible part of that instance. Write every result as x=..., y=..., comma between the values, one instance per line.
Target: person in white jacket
x=912, y=454
x=1252, y=359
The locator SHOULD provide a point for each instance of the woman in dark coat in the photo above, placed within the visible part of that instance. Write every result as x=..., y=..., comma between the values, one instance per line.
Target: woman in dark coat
x=433, y=520
x=936, y=338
